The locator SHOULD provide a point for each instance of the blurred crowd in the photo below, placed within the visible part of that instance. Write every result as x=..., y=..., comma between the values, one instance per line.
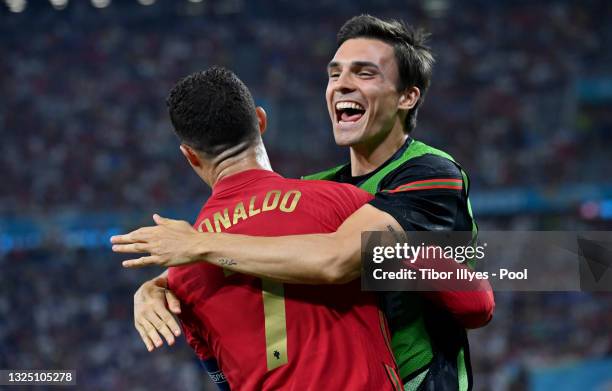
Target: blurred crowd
x=533, y=331
x=84, y=122
x=72, y=310
x=85, y=128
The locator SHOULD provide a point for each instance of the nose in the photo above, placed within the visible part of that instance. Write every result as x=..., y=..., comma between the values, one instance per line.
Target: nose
x=344, y=84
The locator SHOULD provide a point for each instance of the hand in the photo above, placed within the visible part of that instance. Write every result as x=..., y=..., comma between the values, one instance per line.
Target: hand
x=168, y=243
x=152, y=305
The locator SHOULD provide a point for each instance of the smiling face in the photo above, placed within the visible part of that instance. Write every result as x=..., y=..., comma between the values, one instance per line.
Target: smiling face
x=362, y=96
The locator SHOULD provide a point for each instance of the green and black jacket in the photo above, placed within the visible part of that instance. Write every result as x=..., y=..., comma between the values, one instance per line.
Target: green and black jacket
x=424, y=189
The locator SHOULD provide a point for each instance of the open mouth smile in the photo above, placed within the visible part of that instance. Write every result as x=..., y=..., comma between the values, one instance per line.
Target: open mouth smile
x=349, y=112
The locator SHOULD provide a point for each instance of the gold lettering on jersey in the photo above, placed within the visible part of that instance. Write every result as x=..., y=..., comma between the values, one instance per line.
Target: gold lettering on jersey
x=274, y=199
x=252, y=210
x=239, y=213
x=271, y=206
x=294, y=201
x=209, y=227
x=223, y=219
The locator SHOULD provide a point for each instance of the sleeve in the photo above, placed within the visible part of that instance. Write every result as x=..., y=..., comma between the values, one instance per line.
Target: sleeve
x=355, y=197
x=426, y=194
x=471, y=302
x=344, y=198
x=214, y=372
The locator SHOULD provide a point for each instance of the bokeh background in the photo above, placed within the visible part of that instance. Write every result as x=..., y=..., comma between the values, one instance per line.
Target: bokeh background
x=521, y=96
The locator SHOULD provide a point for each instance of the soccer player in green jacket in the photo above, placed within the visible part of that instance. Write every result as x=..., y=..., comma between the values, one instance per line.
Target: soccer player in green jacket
x=378, y=78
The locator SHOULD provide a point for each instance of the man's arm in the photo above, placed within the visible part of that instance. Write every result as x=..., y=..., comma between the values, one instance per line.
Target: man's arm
x=331, y=258
x=336, y=258
x=307, y=259
x=154, y=305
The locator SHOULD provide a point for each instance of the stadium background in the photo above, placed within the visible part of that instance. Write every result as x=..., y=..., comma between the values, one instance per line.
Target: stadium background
x=521, y=96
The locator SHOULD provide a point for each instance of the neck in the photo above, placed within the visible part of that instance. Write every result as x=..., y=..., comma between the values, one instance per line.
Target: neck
x=369, y=156
x=237, y=159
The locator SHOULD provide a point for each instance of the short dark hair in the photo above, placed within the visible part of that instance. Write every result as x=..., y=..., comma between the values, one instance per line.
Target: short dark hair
x=212, y=111
x=414, y=59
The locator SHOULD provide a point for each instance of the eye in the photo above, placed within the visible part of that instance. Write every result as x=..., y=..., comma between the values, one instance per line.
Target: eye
x=365, y=74
x=334, y=75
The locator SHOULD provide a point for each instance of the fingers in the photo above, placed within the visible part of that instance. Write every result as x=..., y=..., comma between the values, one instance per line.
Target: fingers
x=169, y=321
x=142, y=261
x=173, y=303
x=151, y=317
x=139, y=235
x=166, y=221
x=132, y=248
x=121, y=239
x=160, y=220
x=161, y=327
x=151, y=332
x=145, y=338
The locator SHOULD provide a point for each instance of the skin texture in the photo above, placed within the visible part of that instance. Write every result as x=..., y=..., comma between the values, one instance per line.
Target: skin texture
x=151, y=315
x=364, y=71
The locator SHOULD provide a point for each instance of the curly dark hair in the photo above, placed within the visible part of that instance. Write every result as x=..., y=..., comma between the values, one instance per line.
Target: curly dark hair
x=212, y=111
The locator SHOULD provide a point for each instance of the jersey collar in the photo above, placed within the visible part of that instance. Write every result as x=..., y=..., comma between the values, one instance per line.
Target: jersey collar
x=344, y=175
x=240, y=179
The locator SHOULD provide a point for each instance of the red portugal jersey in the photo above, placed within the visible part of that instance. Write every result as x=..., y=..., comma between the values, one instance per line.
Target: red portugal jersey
x=271, y=336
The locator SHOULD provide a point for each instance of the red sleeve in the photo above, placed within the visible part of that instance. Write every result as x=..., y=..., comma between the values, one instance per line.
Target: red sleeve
x=470, y=302
x=359, y=197
x=333, y=202
x=352, y=198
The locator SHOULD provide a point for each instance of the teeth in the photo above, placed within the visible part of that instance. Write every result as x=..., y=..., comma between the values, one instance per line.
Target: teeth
x=348, y=105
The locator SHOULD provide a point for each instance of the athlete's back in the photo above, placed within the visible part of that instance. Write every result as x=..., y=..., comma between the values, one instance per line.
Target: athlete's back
x=270, y=336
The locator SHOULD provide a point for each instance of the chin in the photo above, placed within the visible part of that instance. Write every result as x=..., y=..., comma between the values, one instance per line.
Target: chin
x=342, y=140
x=347, y=138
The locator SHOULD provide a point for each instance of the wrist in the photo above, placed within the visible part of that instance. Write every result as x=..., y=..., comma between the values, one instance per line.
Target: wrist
x=199, y=248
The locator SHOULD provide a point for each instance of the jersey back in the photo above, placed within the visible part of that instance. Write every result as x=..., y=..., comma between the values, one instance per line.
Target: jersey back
x=271, y=336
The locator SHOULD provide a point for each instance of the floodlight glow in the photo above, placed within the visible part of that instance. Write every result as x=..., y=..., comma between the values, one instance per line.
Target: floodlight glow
x=16, y=5
x=100, y=3
x=59, y=4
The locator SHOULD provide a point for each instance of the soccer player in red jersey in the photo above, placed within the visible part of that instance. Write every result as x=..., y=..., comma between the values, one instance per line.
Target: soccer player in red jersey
x=266, y=335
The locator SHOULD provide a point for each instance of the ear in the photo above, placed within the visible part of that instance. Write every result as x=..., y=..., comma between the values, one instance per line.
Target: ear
x=409, y=98
x=191, y=155
x=262, y=119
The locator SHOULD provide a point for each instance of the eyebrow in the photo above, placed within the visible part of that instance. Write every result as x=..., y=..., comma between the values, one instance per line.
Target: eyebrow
x=335, y=64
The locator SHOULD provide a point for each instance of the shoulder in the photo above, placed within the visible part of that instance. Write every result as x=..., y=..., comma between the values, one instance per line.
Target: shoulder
x=333, y=190
x=427, y=167
x=425, y=193
x=331, y=199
